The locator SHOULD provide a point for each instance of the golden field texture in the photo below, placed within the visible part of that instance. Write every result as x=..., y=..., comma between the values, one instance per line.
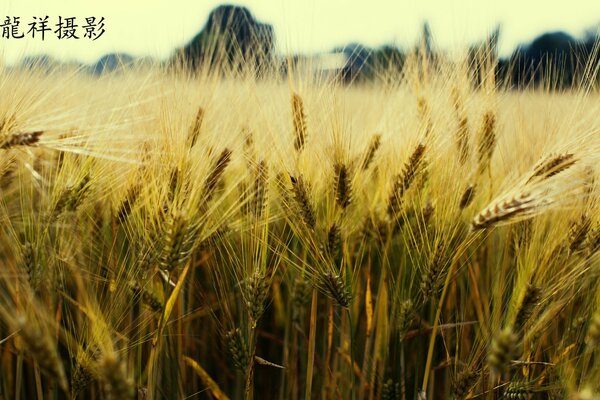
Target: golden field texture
x=165, y=236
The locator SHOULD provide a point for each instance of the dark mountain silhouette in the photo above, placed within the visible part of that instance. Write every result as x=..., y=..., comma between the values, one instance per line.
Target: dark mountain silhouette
x=231, y=39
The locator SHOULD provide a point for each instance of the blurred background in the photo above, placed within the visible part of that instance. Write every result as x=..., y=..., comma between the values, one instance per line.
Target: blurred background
x=350, y=40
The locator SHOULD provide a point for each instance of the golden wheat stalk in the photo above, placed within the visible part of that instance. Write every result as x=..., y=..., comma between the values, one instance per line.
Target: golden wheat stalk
x=21, y=139
x=238, y=349
x=35, y=271
x=216, y=174
x=462, y=133
x=195, y=129
x=261, y=189
x=342, y=185
x=334, y=240
x=467, y=197
x=487, y=140
x=578, y=233
x=336, y=288
x=505, y=209
x=256, y=292
x=72, y=196
x=374, y=145
x=299, y=119
x=403, y=181
x=148, y=297
x=178, y=242
x=432, y=278
x=552, y=165
x=529, y=303
x=128, y=202
x=301, y=196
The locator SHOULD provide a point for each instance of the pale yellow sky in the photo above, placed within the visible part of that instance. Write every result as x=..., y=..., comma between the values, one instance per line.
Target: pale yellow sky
x=156, y=27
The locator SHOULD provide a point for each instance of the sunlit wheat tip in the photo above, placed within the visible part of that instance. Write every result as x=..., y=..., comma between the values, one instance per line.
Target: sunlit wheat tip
x=260, y=192
x=462, y=133
x=411, y=168
x=552, y=165
x=72, y=196
x=394, y=203
x=343, y=185
x=334, y=240
x=249, y=148
x=578, y=233
x=31, y=266
x=299, y=119
x=194, y=132
x=174, y=183
x=177, y=242
x=467, y=197
x=128, y=202
x=424, y=115
x=302, y=200
x=21, y=139
x=427, y=212
x=487, y=139
x=374, y=145
x=432, y=276
x=520, y=204
x=216, y=173
x=248, y=142
x=403, y=181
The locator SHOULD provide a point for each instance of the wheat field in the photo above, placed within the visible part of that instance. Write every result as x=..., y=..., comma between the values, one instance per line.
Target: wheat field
x=166, y=235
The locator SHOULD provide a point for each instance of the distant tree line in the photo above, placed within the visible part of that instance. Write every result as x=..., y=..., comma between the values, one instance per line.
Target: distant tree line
x=555, y=59
x=233, y=40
